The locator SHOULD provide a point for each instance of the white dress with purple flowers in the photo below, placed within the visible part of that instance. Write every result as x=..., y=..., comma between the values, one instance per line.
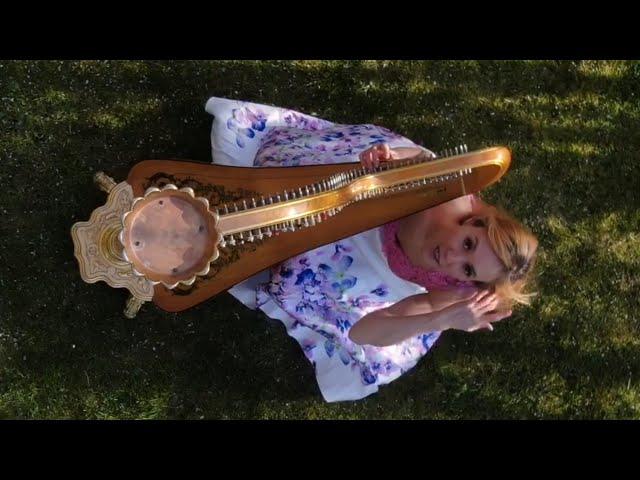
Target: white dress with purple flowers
x=321, y=294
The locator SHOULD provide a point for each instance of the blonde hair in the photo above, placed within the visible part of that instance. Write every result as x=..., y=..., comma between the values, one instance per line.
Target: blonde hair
x=515, y=246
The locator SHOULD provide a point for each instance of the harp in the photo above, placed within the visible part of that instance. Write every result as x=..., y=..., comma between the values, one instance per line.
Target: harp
x=178, y=233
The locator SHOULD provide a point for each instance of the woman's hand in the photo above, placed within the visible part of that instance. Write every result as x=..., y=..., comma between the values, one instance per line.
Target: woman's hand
x=372, y=157
x=475, y=313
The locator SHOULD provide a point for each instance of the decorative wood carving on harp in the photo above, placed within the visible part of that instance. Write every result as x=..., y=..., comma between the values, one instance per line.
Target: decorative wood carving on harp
x=178, y=233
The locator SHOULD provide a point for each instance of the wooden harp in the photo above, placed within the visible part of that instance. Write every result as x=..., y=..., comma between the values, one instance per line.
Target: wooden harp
x=179, y=232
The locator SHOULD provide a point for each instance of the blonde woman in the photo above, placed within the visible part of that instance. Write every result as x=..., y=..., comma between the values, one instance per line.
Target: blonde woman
x=365, y=309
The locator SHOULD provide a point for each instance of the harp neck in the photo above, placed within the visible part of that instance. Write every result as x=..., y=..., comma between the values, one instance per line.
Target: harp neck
x=308, y=205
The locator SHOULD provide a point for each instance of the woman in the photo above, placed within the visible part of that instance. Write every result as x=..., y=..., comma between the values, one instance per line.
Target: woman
x=367, y=308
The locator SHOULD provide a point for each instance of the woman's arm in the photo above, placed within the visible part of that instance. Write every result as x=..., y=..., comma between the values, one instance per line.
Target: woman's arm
x=381, y=152
x=410, y=317
x=400, y=153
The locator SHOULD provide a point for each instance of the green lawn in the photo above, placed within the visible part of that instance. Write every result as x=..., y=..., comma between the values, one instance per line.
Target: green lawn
x=66, y=350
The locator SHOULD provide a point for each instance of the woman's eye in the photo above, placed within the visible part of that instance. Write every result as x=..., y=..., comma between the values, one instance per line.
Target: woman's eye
x=468, y=243
x=468, y=270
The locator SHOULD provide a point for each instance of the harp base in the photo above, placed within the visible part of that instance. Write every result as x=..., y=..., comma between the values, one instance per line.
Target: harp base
x=98, y=250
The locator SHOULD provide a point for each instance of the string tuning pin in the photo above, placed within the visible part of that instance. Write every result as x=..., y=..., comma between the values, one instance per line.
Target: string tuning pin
x=253, y=203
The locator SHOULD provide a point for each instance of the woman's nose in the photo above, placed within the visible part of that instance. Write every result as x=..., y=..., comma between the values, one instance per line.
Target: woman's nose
x=454, y=255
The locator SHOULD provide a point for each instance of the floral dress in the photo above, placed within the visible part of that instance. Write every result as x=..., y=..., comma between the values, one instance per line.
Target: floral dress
x=321, y=294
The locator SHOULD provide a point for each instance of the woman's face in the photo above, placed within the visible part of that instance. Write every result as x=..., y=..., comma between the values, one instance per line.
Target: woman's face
x=460, y=249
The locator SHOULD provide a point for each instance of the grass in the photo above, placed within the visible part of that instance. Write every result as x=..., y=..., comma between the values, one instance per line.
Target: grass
x=66, y=350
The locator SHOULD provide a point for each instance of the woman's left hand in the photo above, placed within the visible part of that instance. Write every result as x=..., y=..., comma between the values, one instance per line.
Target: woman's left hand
x=476, y=312
x=372, y=157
